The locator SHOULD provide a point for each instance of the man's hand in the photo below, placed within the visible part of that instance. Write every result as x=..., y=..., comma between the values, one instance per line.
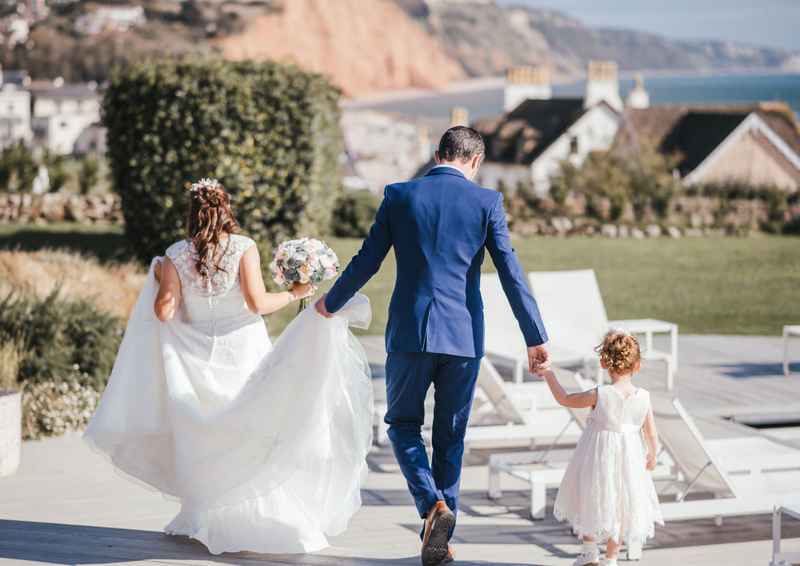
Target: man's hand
x=539, y=358
x=321, y=308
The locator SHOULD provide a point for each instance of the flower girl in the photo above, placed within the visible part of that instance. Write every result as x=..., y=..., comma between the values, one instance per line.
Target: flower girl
x=607, y=493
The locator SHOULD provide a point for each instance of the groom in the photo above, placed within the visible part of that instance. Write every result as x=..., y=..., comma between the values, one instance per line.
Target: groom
x=439, y=226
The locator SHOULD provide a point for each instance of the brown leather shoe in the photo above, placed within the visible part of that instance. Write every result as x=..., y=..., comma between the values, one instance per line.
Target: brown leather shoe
x=438, y=522
x=451, y=554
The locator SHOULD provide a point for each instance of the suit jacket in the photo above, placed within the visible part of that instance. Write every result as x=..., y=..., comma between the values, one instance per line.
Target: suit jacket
x=440, y=226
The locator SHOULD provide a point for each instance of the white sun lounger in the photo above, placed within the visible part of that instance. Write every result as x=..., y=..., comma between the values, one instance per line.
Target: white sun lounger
x=753, y=483
x=746, y=475
x=550, y=462
x=575, y=317
x=516, y=413
x=504, y=339
x=783, y=558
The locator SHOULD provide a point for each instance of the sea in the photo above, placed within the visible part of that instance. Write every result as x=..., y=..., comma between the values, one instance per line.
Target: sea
x=484, y=98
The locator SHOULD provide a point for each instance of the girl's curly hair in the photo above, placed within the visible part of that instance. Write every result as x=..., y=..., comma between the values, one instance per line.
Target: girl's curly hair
x=620, y=351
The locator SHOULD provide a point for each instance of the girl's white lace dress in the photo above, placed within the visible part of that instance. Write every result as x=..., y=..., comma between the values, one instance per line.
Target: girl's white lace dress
x=265, y=447
x=607, y=491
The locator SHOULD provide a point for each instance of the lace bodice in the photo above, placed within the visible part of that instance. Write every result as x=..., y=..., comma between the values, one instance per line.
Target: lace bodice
x=612, y=407
x=218, y=296
x=229, y=253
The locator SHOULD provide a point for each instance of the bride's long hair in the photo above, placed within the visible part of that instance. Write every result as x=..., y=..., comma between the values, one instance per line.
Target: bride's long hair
x=210, y=216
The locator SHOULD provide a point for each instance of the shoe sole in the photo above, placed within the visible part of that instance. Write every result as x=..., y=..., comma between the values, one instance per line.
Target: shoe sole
x=434, y=550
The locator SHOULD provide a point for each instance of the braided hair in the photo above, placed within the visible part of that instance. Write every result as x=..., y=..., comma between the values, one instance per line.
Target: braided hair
x=210, y=216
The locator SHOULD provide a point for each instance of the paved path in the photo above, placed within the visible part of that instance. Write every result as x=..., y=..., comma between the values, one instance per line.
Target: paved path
x=66, y=505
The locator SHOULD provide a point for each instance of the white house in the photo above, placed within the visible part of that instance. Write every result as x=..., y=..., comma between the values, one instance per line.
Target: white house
x=527, y=145
x=15, y=114
x=61, y=115
x=117, y=18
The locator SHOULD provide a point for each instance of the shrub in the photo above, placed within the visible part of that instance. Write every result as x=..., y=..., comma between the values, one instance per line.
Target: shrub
x=87, y=178
x=561, y=184
x=777, y=203
x=56, y=169
x=52, y=408
x=610, y=180
x=58, y=337
x=9, y=362
x=17, y=163
x=268, y=131
x=354, y=214
x=732, y=189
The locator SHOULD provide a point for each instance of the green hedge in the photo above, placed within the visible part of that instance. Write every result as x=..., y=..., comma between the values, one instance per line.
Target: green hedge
x=59, y=339
x=354, y=214
x=268, y=131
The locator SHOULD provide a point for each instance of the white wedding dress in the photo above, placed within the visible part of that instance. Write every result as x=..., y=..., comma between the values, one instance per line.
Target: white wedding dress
x=265, y=447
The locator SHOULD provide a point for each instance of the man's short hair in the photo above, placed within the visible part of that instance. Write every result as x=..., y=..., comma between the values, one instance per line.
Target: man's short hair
x=462, y=143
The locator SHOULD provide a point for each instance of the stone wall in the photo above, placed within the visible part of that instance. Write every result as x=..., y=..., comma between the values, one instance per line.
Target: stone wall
x=60, y=207
x=690, y=216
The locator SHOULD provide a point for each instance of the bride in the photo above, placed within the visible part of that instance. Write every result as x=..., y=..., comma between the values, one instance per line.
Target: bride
x=264, y=446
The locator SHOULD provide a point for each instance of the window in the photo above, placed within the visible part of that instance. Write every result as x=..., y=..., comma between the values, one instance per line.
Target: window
x=573, y=145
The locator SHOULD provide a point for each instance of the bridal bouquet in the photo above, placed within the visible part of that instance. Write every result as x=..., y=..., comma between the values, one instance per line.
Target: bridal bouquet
x=306, y=260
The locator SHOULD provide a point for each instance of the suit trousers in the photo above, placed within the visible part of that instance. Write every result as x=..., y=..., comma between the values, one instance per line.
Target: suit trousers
x=408, y=378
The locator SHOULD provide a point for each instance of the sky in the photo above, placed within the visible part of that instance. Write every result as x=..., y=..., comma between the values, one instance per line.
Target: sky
x=768, y=23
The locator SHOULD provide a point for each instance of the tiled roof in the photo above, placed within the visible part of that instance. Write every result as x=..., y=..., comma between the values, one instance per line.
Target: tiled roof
x=697, y=134
x=696, y=130
x=524, y=133
x=66, y=92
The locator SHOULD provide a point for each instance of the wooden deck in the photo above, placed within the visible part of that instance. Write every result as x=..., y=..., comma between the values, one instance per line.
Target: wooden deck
x=66, y=506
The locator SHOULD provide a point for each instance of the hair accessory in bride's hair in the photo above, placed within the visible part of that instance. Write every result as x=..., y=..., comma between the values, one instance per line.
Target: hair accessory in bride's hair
x=205, y=184
x=618, y=329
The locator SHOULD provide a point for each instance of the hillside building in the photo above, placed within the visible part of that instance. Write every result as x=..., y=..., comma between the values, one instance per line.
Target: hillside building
x=526, y=146
x=754, y=144
x=61, y=115
x=15, y=111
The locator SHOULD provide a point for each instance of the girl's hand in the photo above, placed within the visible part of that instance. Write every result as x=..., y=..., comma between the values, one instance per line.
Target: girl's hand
x=651, y=462
x=303, y=290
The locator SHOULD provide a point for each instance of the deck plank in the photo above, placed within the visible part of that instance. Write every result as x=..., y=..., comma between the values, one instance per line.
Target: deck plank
x=67, y=507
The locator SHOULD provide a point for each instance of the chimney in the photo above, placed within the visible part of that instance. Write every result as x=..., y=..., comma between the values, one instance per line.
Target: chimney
x=526, y=83
x=459, y=116
x=602, y=85
x=638, y=97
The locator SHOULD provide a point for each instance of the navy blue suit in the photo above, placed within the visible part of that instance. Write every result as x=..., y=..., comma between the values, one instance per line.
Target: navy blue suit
x=439, y=226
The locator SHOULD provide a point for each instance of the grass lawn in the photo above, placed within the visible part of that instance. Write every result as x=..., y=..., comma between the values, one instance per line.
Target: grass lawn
x=106, y=242
x=706, y=285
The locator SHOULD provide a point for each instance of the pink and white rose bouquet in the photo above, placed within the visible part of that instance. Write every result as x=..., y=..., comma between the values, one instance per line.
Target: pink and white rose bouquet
x=306, y=260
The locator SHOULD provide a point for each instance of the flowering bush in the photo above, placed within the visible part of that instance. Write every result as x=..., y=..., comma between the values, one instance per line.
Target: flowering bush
x=51, y=408
x=303, y=261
